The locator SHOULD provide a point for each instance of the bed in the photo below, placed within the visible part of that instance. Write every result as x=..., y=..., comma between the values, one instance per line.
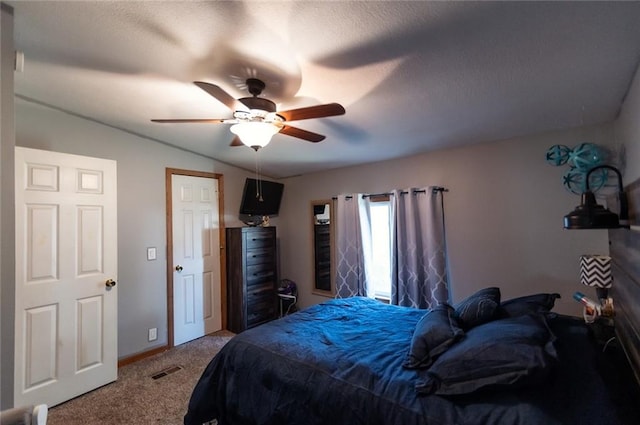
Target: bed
x=345, y=362
x=358, y=361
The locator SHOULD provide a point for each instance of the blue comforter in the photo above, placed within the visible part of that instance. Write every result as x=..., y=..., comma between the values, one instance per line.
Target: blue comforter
x=340, y=362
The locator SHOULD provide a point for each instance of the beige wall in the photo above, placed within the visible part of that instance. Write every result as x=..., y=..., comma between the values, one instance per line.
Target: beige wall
x=142, y=297
x=7, y=222
x=503, y=214
x=504, y=209
x=494, y=188
x=627, y=130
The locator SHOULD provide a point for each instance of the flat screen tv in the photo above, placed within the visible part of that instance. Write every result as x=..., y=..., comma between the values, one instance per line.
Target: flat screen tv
x=261, y=198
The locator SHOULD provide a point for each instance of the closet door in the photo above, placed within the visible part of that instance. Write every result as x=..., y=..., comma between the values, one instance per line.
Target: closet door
x=66, y=275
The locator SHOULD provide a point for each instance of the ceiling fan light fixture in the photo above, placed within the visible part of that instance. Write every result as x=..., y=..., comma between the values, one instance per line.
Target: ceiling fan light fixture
x=256, y=119
x=256, y=134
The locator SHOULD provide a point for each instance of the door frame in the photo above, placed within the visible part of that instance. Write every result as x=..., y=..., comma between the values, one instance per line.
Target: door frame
x=169, y=172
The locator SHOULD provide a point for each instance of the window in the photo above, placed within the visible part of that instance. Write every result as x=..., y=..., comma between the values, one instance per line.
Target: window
x=381, y=247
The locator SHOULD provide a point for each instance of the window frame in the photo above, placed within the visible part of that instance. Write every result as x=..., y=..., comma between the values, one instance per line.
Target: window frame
x=386, y=199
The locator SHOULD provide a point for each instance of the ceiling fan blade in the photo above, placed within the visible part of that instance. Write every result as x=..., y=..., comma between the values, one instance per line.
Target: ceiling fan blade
x=205, y=120
x=302, y=134
x=236, y=142
x=222, y=96
x=319, y=111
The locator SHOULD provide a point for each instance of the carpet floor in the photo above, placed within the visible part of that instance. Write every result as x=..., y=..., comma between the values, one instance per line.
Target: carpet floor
x=138, y=399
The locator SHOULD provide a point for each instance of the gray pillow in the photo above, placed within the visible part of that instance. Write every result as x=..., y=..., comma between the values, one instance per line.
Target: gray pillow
x=536, y=303
x=478, y=308
x=433, y=335
x=507, y=353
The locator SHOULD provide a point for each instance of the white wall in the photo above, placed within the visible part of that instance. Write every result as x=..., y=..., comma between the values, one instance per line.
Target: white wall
x=503, y=215
x=142, y=297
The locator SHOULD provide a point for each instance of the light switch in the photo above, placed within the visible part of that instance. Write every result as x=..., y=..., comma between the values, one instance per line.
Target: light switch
x=151, y=254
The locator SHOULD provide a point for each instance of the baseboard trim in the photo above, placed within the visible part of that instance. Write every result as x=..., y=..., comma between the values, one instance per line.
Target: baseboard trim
x=143, y=355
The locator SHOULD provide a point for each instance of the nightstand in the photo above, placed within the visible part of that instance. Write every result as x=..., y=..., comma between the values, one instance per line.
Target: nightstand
x=615, y=371
x=603, y=332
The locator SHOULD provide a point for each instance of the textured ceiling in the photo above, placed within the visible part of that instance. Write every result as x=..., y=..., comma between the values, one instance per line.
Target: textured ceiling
x=412, y=76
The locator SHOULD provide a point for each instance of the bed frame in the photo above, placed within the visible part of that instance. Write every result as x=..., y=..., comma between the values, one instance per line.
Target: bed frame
x=625, y=254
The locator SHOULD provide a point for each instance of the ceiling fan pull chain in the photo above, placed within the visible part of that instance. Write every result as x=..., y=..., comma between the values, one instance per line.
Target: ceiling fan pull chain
x=258, y=179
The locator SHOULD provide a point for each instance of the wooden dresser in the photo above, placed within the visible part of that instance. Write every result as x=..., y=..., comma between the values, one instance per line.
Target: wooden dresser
x=252, y=278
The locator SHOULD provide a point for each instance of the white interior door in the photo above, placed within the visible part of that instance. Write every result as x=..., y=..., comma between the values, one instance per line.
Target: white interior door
x=66, y=251
x=197, y=309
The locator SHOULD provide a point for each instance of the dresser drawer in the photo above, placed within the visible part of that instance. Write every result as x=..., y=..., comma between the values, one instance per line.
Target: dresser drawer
x=260, y=272
x=255, y=293
x=259, y=317
x=261, y=312
x=259, y=240
x=260, y=256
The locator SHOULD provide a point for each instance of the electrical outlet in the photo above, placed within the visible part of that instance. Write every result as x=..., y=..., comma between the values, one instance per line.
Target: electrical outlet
x=153, y=334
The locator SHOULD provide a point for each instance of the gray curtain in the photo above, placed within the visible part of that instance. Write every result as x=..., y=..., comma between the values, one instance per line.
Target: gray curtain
x=351, y=276
x=418, y=266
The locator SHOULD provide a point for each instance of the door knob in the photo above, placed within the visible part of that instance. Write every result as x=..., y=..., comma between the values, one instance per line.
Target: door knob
x=110, y=283
x=178, y=268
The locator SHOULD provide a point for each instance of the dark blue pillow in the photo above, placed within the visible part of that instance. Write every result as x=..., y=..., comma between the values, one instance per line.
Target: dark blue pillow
x=513, y=352
x=478, y=308
x=536, y=303
x=434, y=333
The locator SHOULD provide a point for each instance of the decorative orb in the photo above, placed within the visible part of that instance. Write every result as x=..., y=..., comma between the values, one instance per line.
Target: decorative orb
x=558, y=155
x=574, y=180
x=585, y=156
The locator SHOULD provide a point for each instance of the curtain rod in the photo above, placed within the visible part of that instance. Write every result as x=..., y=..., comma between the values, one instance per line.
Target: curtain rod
x=367, y=195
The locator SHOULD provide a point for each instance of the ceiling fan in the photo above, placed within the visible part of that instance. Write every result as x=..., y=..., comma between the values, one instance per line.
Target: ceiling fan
x=255, y=119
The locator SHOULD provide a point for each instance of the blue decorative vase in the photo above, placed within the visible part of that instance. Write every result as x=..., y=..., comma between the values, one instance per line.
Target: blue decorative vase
x=574, y=180
x=558, y=155
x=585, y=156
